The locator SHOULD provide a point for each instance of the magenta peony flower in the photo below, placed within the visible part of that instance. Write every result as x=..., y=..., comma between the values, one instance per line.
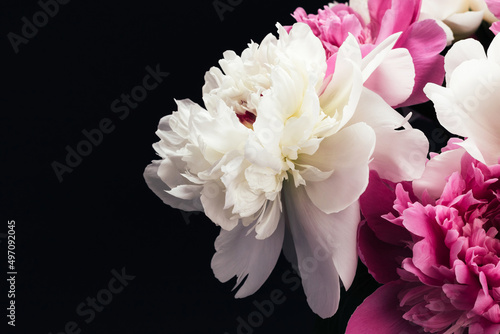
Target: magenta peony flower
x=439, y=257
x=371, y=25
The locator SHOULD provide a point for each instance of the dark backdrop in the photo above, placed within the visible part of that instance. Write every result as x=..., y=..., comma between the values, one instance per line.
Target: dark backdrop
x=89, y=228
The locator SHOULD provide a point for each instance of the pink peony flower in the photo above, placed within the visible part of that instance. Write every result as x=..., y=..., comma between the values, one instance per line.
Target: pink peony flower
x=371, y=24
x=438, y=257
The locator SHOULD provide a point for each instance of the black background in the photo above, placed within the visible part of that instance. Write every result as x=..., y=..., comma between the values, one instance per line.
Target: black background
x=70, y=235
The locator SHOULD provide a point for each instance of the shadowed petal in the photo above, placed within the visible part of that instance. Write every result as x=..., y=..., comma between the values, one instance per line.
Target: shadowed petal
x=239, y=253
x=325, y=246
x=159, y=187
x=380, y=314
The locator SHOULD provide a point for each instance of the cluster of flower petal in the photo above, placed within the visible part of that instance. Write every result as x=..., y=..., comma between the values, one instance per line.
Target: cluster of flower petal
x=440, y=259
x=280, y=155
x=371, y=22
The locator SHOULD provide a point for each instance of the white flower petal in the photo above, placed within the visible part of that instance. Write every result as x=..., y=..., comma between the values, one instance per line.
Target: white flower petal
x=461, y=51
x=325, y=247
x=213, y=200
x=268, y=222
x=399, y=154
x=340, y=97
x=394, y=89
x=378, y=55
x=304, y=48
x=361, y=7
x=475, y=85
x=468, y=106
x=347, y=153
x=209, y=128
x=464, y=24
x=443, y=8
x=313, y=174
x=239, y=253
x=494, y=51
x=159, y=187
x=436, y=173
x=448, y=112
x=477, y=5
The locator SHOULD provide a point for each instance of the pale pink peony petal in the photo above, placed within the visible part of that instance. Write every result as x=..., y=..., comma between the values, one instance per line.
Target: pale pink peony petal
x=239, y=253
x=158, y=186
x=325, y=248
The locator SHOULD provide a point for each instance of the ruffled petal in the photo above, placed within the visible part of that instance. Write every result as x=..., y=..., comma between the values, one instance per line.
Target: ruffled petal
x=158, y=186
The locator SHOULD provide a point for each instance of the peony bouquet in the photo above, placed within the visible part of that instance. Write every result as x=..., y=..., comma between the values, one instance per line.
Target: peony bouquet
x=305, y=145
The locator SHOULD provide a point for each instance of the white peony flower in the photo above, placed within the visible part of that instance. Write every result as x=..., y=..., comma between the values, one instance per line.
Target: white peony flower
x=469, y=104
x=280, y=156
x=458, y=18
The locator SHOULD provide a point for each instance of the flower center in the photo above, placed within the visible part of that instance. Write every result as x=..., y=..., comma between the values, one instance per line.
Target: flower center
x=247, y=119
